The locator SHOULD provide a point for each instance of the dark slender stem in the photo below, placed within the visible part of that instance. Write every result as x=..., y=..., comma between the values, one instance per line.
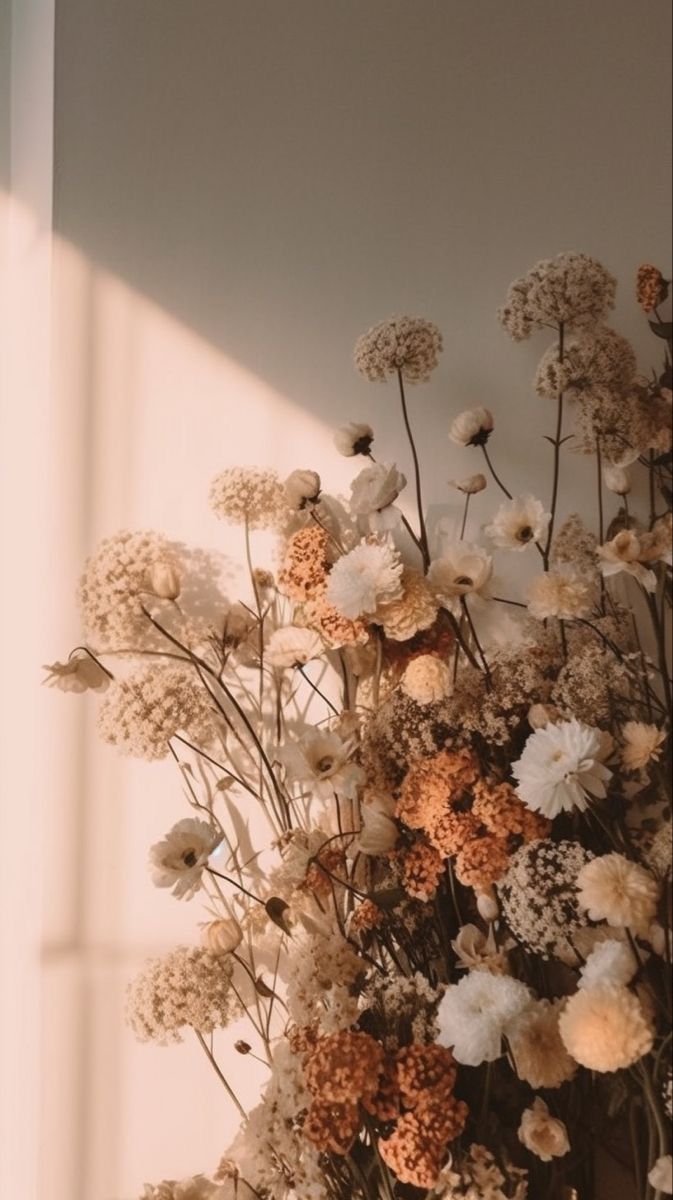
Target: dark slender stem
x=557, y=455
x=468, y=615
x=423, y=536
x=496, y=477
x=316, y=689
x=214, y=1064
x=239, y=886
x=464, y=524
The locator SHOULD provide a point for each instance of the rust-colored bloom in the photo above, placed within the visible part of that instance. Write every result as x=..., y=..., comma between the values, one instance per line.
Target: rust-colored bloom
x=483, y=861
x=651, y=287
x=421, y=868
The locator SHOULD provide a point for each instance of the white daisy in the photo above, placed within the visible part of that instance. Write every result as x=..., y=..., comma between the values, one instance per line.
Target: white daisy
x=366, y=577
x=463, y=570
x=518, y=522
x=179, y=861
x=293, y=646
x=474, y=1015
x=322, y=760
x=561, y=766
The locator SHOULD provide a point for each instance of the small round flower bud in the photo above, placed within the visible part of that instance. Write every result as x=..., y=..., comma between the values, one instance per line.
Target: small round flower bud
x=487, y=905
x=164, y=580
x=223, y=936
x=301, y=489
x=617, y=480
x=540, y=715
x=470, y=485
x=472, y=427
x=242, y=1047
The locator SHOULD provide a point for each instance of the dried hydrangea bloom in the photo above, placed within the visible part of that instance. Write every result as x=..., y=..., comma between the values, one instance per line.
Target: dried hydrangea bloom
x=599, y=358
x=116, y=584
x=499, y=809
x=412, y=612
x=572, y=289
x=540, y=1057
x=365, y=917
x=344, y=1067
x=615, y=889
x=142, y=712
x=651, y=287
x=421, y=868
x=332, y=1127
x=416, y=1149
x=605, y=1028
x=452, y=831
x=562, y=593
x=305, y=564
x=433, y=784
x=409, y=345
x=539, y=899
x=482, y=862
x=251, y=496
x=337, y=630
x=419, y=1069
x=188, y=988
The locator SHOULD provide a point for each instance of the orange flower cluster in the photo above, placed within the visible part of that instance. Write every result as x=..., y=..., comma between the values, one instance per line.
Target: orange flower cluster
x=416, y=1149
x=651, y=287
x=421, y=867
x=306, y=564
x=319, y=881
x=342, y=1072
x=365, y=917
x=463, y=816
x=336, y=629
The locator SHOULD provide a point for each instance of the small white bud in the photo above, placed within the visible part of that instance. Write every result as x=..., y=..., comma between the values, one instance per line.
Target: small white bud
x=165, y=580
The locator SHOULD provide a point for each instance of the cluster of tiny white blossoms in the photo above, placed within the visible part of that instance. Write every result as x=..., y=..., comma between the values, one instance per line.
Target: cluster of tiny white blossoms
x=428, y=809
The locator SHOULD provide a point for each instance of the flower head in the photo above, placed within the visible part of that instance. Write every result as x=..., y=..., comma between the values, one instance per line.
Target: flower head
x=641, y=745
x=610, y=961
x=540, y=1058
x=413, y=611
x=572, y=289
x=293, y=646
x=197, y=1187
x=144, y=710
x=222, y=936
x=116, y=584
x=301, y=488
x=379, y=832
x=322, y=760
x=81, y=673
x=617, y=480
x=561, y=767
x=651, y=287
x=518, y=523
x=179, y=860
x=472, y=427
x=354, y=438
x=251, y=496
x=366, y=577
x=539, y=897
x=188, y=988
x=475, y=1013
x=373, y=494
x=605, y=1028
x=470, y=485
x=629, y=552
x=661, y=1175
x=561, y=593
x=545, y=1136
x=463, y=570
x=615, y=889
x=409, y=345
x=427, y=679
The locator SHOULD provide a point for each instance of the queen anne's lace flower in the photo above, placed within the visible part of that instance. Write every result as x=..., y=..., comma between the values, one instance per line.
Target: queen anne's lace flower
x=475, y=1014
x=251, y=496
x=614, y=889
x=572, y=289
x=409, y=345
x=366, y=577
x=561, y=768
x=539, y=897
x=605, y=1028
x=518, y=523
x=600, y=357
x=179, y=860
x=142, y=712
x=197, y=1187
x=116, y=585
x=188, y=988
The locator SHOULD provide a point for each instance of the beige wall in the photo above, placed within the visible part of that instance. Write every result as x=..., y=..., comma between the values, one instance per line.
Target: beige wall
x=241, y=187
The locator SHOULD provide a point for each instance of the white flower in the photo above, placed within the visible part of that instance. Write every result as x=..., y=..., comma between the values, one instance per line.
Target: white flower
x=222, y=936
x=322, y=760
x=561, y=766
x=661, y=1175
x=470, y=485
x=81, y=673
x=642, y=744
x=427, y=679
x=353, y=438
x=463, y=569
x=474, y=1014
x=178, y=862
x=478, y=951
x=379, y=832
x=367, y=576
x=301, y=489
x=293, y=646
x=562, y=593
x=628, y=552
x=373, y=493
x=164, y=579
x=545, y=1136
x=610, y=961
x=473, y=427
x=518, y=522
x=614, y=889
x=617, y=480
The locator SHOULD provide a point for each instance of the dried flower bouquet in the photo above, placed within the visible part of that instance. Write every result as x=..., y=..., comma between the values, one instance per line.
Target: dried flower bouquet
x=452, y=943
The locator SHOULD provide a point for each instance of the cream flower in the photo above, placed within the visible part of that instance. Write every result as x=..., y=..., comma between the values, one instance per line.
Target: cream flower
x=478, y=951
x=427, y=679
x=561, y=593
x=474, y=1015
x=661, y=1175
x=540, y=1058
x=414, y=610
x=628, y=552
x=464, y=569
x=197, y=1187
x=641, y=744
x=518, y=522
x=293, y=646
x=614, y=889
x=373, y=493
x=545, y=1136
x=366, y=577
x=410, y=345
x=354, y=438
x=605, y=1028
x=473, y=427
x=301, y=489
x=222, y=936
x=251, y=496
x=164, y=579
x=617, y=480
x=572, y=289
x=322, y=760
x=179, y=860
x=470, y=485
x=81, y=673
x=379, y=833
x=611, y=961
x=561, y=767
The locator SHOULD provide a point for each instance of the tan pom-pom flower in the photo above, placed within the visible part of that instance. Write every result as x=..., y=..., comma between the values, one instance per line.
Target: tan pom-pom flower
x=614, y=889
x=427, y=679
x=605, y=1028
